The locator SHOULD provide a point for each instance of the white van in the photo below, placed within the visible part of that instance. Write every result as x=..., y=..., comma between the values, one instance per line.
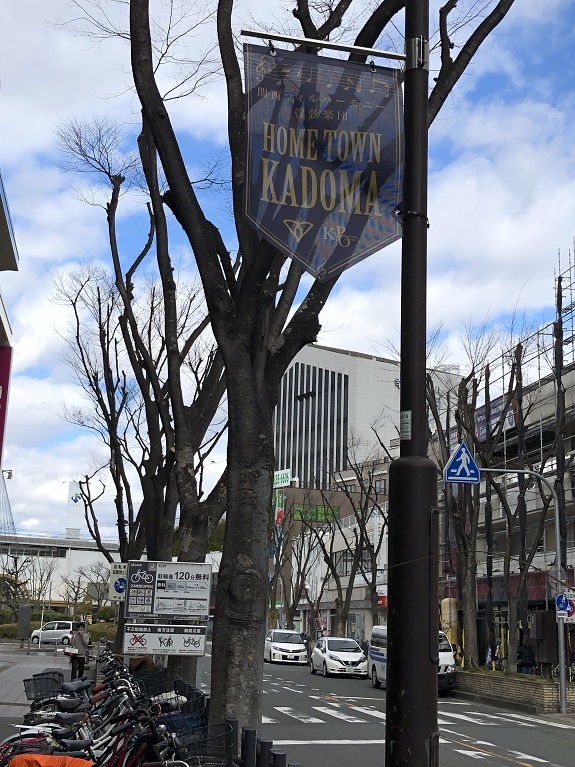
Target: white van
x=377, y=660
x=377, y=656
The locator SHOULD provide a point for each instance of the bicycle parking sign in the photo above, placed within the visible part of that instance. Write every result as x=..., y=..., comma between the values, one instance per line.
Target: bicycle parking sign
x=565, y=606
x=164, y=640
x=170, y=590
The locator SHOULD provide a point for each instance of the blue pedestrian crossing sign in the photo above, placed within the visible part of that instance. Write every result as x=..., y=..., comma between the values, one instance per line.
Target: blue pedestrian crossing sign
x=461, y=467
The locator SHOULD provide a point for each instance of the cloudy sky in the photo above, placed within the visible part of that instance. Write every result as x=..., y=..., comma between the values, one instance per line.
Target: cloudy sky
x=501, y=209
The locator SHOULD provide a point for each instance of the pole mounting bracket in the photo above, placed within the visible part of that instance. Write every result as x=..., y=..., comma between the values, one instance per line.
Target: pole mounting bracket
x=417, y=53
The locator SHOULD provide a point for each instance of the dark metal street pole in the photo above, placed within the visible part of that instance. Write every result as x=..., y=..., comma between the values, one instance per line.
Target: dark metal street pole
x=411, y=736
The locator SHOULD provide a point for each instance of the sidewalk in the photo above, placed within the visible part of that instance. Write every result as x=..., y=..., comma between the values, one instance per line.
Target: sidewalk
x=15, y=666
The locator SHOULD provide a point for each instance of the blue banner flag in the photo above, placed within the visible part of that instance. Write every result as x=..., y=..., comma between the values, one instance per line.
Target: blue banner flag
x=324, y=171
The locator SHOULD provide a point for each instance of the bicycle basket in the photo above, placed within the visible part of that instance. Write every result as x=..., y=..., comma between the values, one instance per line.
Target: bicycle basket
x=206, y=746
x=179, y=722
x=53, y=673
x=41, y=687
x=153, y=682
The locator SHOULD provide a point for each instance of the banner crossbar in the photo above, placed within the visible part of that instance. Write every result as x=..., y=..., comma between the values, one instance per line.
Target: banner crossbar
x=324, y=44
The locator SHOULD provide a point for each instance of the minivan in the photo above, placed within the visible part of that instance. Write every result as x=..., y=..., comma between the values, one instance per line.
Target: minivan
x=59, y=632
x=377, y=659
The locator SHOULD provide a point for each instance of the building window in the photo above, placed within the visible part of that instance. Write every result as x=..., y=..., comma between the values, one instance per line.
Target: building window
x=380, y=486
x=351, y=488
x=343, y=561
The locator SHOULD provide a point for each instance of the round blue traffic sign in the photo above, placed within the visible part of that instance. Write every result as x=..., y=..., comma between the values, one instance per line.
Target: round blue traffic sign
x=561, y=602
x=120, y=585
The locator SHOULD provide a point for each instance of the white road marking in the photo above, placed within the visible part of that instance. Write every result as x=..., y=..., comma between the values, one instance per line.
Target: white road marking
x=541, y=721
x=269, y=720
x=484, y=743
x=521, y=755
x=468, y=719
x=472, y=754
x=299, y=715
x=291, y=689
x=501, y=716
x=369, y=712
x=337, y=714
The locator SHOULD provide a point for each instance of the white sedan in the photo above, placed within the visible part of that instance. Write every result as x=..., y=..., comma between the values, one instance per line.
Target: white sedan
x=335, y=655
x=284, y=646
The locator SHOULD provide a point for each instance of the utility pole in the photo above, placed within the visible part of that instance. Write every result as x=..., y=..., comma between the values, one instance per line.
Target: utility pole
x=411, y=736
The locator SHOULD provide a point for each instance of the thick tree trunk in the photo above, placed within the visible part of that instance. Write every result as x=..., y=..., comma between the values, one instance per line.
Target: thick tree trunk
x=513, y=606
x=241, y=599
x=468, y=590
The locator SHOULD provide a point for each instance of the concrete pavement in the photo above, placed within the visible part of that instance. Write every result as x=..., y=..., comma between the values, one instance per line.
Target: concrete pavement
x=15, y=666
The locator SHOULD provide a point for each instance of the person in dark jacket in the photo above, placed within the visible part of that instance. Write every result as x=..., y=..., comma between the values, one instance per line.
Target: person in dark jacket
x=526, y=656
x=78, y=646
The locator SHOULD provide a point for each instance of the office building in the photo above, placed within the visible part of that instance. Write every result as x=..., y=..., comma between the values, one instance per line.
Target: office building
x=334, y=405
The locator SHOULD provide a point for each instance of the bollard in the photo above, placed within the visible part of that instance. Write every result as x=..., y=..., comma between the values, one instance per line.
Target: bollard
x=232, y=738
x=249, y=738
x=264, y=750
x=279, y=758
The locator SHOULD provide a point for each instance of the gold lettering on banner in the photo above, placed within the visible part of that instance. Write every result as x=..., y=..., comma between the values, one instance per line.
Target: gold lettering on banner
x=269, y=168
x=352, y=191
x=344, y=143
x=350, y=194
x=305, y=190
x=294, y=142
x=308, y=187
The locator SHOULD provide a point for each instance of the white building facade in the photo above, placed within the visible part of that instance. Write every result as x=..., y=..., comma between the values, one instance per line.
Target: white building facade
x=330, y=403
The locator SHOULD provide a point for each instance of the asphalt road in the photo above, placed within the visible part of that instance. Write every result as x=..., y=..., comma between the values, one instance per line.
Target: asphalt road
x=340, y=722
x=337, y=722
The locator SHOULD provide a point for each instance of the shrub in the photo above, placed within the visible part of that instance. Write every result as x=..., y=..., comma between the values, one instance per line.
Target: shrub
x=106, y=613
x=102, y=631
x=6, y=616
x=8, y=630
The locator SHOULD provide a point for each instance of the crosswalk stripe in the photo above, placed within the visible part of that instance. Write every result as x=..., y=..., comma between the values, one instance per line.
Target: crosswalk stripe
x=269, y=720
x=468, y=719
x=299, y=715
x=501, y=716
x=546, y=722
x=521, y=755
x=472, y=754
x=337, y=714
x=369, y=712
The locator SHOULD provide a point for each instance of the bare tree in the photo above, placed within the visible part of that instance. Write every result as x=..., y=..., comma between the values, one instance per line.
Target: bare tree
x=294, y=557
x=369, y=521
x=250, y=312
x=74, y=593
x=97, y=578
x=40, y=572
x=14, y=580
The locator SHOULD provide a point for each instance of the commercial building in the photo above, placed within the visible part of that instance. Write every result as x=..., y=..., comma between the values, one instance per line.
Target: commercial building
x=336, y=426
x=8, y=262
